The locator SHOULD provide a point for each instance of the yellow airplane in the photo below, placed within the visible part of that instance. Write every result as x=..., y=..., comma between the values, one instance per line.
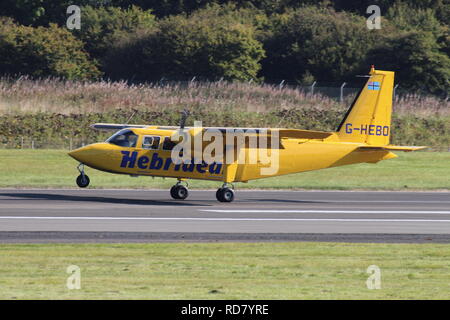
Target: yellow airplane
x=141, y=150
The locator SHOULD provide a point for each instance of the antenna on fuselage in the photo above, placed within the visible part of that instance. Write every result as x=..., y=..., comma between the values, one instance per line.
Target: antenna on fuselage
x=184, y=115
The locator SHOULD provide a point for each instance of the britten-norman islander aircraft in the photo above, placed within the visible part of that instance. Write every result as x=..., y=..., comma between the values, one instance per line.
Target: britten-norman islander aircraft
x=211, y=153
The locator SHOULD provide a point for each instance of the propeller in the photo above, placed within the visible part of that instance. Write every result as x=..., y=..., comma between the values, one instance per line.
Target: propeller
x=184, y=115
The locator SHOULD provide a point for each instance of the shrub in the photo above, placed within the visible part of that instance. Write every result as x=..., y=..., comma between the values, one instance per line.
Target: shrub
x=102, y=27
x=417, y=61
x=42, y=52
x=209, y=44
x=320, y=42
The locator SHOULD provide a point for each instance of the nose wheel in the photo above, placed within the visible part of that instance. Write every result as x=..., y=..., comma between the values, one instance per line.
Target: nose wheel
x=82, y=179
x=225, y=194
x=179, y=192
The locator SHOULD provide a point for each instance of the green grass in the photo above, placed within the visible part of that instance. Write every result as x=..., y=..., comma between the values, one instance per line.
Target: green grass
x=225, y=271
x=411, y=171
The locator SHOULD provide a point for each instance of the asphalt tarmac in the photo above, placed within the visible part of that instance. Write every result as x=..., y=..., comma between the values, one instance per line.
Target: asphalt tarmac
x=94, y=215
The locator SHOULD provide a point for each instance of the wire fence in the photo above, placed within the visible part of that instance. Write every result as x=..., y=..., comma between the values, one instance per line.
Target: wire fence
x=339, y=91
x=45, y=143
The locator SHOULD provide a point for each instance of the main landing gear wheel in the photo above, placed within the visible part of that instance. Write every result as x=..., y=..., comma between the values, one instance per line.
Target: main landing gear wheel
x=83, y=179
x=179, y=192
x=225, y=194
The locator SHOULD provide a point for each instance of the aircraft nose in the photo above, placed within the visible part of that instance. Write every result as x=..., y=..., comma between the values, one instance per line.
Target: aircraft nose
x=82, y=154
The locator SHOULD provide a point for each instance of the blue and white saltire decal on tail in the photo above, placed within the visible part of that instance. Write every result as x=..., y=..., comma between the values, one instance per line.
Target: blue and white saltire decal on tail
x=373, y=85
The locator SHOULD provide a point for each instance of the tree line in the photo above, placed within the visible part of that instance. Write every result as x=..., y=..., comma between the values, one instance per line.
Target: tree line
x=260, y=40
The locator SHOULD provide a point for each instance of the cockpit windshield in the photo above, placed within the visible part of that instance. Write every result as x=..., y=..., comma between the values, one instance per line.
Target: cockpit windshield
x=124, y=138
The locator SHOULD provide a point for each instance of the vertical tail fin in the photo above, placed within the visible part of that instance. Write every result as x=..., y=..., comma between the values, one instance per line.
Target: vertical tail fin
x=369, y=118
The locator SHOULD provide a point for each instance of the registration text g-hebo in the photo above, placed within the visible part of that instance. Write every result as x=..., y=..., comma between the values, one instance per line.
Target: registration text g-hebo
x=369, y=129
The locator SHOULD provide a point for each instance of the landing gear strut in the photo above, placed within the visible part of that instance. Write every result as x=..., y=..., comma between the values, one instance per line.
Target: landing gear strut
x=179, y=192
x=82, y=179
x=225, y=194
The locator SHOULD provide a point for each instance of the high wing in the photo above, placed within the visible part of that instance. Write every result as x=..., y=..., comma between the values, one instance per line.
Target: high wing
x=115, y=126
x=283, y=133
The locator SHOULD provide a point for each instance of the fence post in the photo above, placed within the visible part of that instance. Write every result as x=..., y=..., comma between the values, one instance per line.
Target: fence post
x=21, y=144
x=395, y=88
x=342, y=92
x=312, y=87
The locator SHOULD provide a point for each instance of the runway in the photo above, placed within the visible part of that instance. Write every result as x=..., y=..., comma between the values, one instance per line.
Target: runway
x=151, y=215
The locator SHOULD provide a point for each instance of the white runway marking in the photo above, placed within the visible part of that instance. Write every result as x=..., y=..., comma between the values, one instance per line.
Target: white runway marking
x=216, y=219
x=324, y=211
x=375, y=201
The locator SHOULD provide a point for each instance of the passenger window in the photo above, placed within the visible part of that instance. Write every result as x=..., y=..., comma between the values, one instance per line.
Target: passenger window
x=150, y=142
x=168, y=144
x=124, y=139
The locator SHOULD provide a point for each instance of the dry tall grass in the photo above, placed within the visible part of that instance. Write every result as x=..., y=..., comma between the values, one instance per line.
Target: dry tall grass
x=54, y=95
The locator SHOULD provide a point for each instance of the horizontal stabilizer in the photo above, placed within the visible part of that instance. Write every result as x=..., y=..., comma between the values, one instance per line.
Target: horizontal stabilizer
x=391, y=148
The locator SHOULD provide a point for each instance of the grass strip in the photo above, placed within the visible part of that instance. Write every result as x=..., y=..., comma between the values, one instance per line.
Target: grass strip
x=410, y=171
x=225, y=271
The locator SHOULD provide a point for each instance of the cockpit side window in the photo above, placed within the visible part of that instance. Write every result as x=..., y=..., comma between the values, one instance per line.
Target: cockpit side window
x=168, y=144
x=151, y=142
x=124, y=138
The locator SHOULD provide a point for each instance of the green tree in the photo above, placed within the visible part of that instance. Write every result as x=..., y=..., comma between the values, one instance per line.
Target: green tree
x=316, y=41
x=360, y=6
x=42, y=52
x=209, y=44
x=40, y=12
x=408, y=18
x=417, y=61
x=102, y=27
